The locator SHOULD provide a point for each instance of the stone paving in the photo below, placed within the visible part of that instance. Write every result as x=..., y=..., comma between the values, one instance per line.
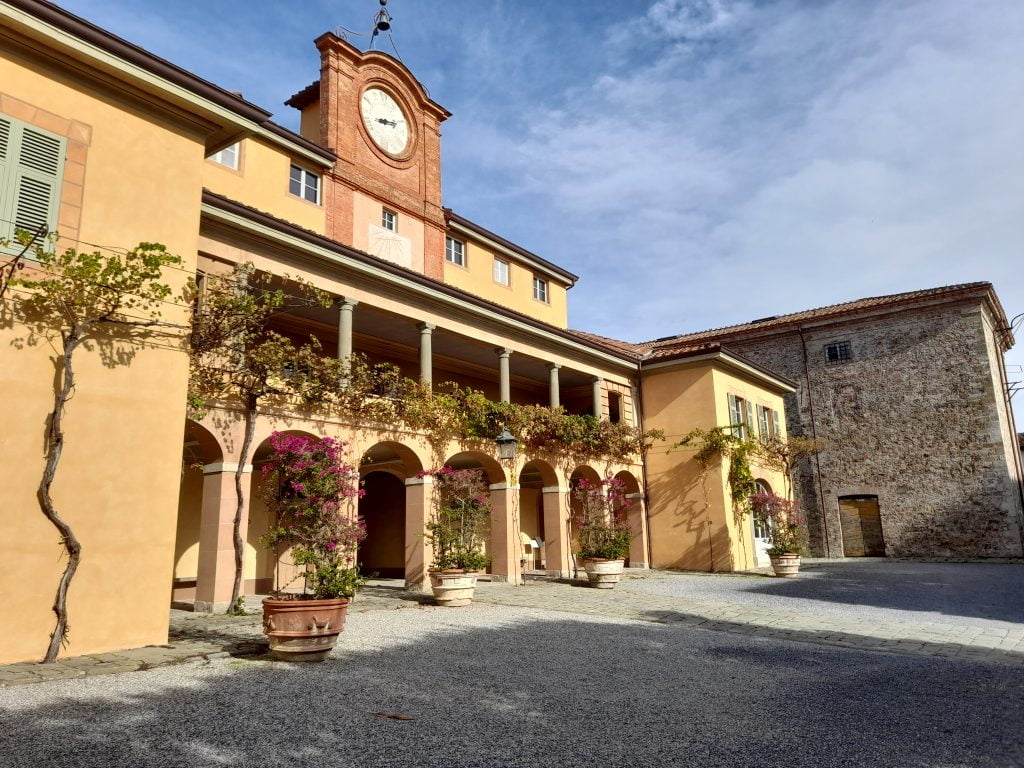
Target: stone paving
x=198, y=636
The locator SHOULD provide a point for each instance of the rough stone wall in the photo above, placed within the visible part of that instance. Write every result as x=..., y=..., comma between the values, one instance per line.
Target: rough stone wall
x=913, y=418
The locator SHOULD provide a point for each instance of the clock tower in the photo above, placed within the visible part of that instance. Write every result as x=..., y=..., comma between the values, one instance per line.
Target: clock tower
x=384, y=194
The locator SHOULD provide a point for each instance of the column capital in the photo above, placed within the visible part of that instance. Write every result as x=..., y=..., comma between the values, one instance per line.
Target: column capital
x=224, y=466
x=554, y=366
x=425, y=327
x=597, y=380
x=344, y=302
x=502, y=351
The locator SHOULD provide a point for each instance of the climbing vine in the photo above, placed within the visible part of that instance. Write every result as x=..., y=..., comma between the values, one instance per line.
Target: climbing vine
x=720, y=443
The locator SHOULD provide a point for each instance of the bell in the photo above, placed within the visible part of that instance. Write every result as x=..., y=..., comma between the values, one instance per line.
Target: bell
x=383, y=21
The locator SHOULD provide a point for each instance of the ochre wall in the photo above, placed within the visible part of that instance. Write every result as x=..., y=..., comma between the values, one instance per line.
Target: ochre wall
x=262, y=182
x=118, y=481
x=367, y=211
x=692, y=523
x=477, y=277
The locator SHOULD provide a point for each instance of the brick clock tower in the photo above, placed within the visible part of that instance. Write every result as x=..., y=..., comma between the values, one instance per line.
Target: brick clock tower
x=384, y=193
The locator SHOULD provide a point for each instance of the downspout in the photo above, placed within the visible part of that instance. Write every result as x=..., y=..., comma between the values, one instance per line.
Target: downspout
x=638, y=409
x=814, y=437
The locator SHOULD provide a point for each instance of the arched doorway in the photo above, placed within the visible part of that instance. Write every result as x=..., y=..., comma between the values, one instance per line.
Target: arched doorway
x=535, y=514
x=760, y=530
x=200, y=450
x=580, y=473
x=384, y=469
x=503, y=537
x=635, y=517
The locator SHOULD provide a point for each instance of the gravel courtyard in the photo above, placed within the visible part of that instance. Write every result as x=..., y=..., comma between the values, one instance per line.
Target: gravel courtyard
x=504, y=685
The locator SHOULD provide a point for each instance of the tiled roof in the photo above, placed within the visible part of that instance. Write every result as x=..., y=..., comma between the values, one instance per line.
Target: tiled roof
x=671, y=345
x=624, y=347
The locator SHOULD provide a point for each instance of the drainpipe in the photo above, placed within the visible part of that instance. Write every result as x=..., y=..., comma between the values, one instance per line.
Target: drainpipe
x=814, y=436
x=638, y=409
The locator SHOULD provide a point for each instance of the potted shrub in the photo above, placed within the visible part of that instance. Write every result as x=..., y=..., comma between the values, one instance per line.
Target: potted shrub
x=457, y=531
x=308, y=484
x=786, y=532
x=604, y=534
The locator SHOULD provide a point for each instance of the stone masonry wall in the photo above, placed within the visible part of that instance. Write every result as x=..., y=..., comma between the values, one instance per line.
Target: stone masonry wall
x=913, y=418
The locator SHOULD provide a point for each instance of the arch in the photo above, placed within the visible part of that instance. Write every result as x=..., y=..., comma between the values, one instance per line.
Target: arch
x=534, y=477
x=634, y=517
x=762, y=485
x=200, y=448
x=478, y=460
x=383, y=511
x=394, y=458
x=584, y=471
x=260, y=566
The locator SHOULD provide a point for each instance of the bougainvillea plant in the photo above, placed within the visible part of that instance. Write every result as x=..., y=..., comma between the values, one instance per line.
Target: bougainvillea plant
x=601, y=519
x=307, y=487
x=787, y=532
x=461, y=520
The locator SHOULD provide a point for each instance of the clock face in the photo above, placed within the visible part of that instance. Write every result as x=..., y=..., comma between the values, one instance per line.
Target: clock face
x=385, y=121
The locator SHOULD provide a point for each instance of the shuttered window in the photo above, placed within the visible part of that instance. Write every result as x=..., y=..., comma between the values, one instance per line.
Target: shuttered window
x=31, y=170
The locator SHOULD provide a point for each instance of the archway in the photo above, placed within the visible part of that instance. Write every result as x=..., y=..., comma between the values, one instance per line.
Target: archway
x=200, y=449
x=582, y=472
x=264, y=570
x=503, y=537
x=535, y=518
x=759, y=529
x=384, y=469
x=635, y=517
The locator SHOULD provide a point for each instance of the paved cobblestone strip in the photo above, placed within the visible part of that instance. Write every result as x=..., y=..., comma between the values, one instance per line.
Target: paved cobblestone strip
x=1003, y=646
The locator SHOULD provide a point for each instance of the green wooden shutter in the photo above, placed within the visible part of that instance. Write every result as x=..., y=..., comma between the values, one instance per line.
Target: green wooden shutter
x=6, y=193
x=749, y=422
x=735, y=419
x=775, y=422
x=37, y=178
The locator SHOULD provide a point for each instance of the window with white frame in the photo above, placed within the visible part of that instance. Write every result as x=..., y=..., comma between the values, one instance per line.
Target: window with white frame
x=389, y=220
x=500, y=271
x=454, y=251
x=31, y=174
x=767, y=423
x=304, y=184
x=540, y=289
x=741, y=416
x=228, y=156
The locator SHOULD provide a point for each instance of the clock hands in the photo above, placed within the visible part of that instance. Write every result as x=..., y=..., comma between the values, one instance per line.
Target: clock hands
x=383, y=121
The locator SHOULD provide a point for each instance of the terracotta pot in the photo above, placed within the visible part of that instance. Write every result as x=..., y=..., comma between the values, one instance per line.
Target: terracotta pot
x=786, y=566
x=453, y=588
x=603, y=574
x=303, y=630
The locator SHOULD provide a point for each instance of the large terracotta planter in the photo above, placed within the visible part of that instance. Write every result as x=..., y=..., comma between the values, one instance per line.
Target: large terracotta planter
x=604, y=574
x=453, y=588
x=303, y=630
x=786, y=566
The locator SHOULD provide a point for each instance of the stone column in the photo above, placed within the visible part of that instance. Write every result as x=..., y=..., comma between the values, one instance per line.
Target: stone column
x=636, y=516
x=426, y=353
x=506, y=545
x=557, y=546
x=504, y=377
x=597, y=397
x=345, y=307
x=553, y=394
x=216, y=577
x=419, y=496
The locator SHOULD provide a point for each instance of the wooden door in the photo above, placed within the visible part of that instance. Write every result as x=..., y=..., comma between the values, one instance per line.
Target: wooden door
x=861, y=523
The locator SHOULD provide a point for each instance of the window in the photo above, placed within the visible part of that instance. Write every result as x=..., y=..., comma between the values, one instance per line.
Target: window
x=614, y=407
x=304, y=184
x=389, y=220
x=837, y=354
x=228, y=157
x=31, y=172
x=454, y=251
x=501, y=272
x=741, y=416
x=540, y=289
x=767, y=422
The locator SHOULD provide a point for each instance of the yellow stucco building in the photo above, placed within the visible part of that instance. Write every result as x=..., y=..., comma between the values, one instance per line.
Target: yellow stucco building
x=140, y=150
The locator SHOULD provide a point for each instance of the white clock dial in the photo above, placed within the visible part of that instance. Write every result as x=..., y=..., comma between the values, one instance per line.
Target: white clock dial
x=385, y=121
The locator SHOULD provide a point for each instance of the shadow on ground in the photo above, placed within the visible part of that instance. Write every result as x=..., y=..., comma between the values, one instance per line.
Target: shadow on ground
x=978, y=590
x=532, y=693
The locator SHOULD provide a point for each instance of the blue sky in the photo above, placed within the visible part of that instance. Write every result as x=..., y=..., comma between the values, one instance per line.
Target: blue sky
x=698, y=162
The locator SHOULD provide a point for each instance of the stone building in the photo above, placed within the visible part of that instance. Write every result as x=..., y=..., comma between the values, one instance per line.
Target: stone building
x=908, y=393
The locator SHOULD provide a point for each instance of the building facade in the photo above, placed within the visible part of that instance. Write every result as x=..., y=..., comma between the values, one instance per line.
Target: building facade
x=908, y=396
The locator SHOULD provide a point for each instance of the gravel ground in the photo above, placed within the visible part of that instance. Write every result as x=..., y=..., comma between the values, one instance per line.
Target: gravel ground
x=500, y=686
x=979, y=594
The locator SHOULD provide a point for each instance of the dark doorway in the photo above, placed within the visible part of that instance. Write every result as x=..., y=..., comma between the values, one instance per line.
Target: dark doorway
x=382, y=508
x=861, y=522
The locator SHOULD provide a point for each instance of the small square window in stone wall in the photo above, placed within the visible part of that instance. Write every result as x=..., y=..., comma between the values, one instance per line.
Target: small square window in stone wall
x=836, y=354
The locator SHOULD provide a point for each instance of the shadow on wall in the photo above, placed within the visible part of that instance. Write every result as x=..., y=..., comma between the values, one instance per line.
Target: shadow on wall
x=680, y=693
x=978, y=590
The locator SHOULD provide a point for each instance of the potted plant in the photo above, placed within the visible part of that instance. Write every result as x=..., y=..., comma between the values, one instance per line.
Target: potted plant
x=604, y=534
x=457, y=531
x=307, y=486
x=786, y=531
